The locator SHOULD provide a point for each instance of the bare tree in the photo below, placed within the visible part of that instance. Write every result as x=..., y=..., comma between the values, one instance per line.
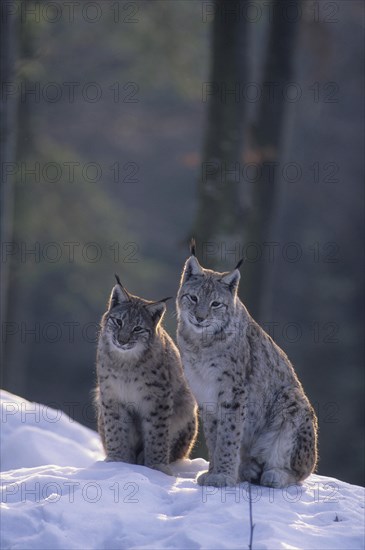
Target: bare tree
x=8, y=118
x=267, y=135
x=218, y=212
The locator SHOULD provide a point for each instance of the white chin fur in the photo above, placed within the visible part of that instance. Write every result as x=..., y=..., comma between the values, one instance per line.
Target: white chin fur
x=198, y=328
x=126, y=349
x=195, y=327
x=202, y=330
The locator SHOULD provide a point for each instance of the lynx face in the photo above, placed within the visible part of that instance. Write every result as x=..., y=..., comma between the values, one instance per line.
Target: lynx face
x=130, y=323
x=206, y=298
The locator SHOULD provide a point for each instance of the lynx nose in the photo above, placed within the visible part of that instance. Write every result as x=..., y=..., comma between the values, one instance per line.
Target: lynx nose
x=199, y=319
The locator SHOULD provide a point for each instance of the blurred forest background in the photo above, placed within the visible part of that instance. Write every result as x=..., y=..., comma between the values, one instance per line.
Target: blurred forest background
x=127, y=127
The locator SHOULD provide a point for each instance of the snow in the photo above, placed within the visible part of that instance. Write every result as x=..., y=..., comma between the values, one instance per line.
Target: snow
x=58, y=493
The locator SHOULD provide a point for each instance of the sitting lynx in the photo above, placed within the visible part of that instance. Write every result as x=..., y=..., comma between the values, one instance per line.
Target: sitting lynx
x=146, y=412
x=258, y=424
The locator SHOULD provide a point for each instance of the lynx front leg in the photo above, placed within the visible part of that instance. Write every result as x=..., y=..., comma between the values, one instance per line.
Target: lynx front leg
x=183, y=441
x=208, y=417
x=225, y=463
x=156, y=439
x=118, y=433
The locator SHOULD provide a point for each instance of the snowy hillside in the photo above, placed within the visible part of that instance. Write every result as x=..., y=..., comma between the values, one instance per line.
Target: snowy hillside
x=57, y=493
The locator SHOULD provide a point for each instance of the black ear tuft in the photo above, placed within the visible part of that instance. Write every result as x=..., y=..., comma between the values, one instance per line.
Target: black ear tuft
x=165, y=299
x=192, y=247
x=239, y=264
x=118, y=280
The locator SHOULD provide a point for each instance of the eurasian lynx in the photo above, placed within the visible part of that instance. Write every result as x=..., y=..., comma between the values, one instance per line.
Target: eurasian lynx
x=258, y=423
x=146, y=412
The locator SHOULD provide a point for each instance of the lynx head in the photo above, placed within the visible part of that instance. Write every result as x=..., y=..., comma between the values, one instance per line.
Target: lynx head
x=206, y=298
x=131, y=323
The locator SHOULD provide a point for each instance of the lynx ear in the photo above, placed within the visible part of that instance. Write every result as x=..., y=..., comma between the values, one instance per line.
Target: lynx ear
x=157, y=310
x=119, y=294
x=192, y=267
x=232, y=279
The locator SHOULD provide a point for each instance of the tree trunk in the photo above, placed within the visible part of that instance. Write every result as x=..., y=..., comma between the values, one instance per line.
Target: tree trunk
x=218, y=212
x=8, y=118
x=266, y=143
x=16, y=348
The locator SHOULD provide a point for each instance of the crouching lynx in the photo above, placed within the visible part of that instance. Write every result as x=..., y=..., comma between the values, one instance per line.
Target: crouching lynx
x=258, y=424
x=146, y=412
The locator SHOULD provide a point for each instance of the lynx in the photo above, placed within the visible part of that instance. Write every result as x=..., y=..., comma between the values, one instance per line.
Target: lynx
x=146, y=412
x=258, y=423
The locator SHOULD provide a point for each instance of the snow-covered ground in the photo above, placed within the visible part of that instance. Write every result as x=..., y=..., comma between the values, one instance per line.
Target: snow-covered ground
x=57, y=493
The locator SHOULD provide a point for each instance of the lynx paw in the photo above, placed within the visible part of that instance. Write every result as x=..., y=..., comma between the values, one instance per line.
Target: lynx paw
x=216, y=480
x=112, y=458
x=164, y=468
x=277, y=478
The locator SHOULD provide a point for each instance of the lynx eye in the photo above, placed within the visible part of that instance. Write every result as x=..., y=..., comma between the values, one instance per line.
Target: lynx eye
x=216, y=304
x=119, y=322
x=137, y=329
x=193, y=298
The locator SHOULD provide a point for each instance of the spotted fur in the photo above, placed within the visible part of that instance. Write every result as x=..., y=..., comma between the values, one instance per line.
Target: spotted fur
x=146, y=412
x=258, y=423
